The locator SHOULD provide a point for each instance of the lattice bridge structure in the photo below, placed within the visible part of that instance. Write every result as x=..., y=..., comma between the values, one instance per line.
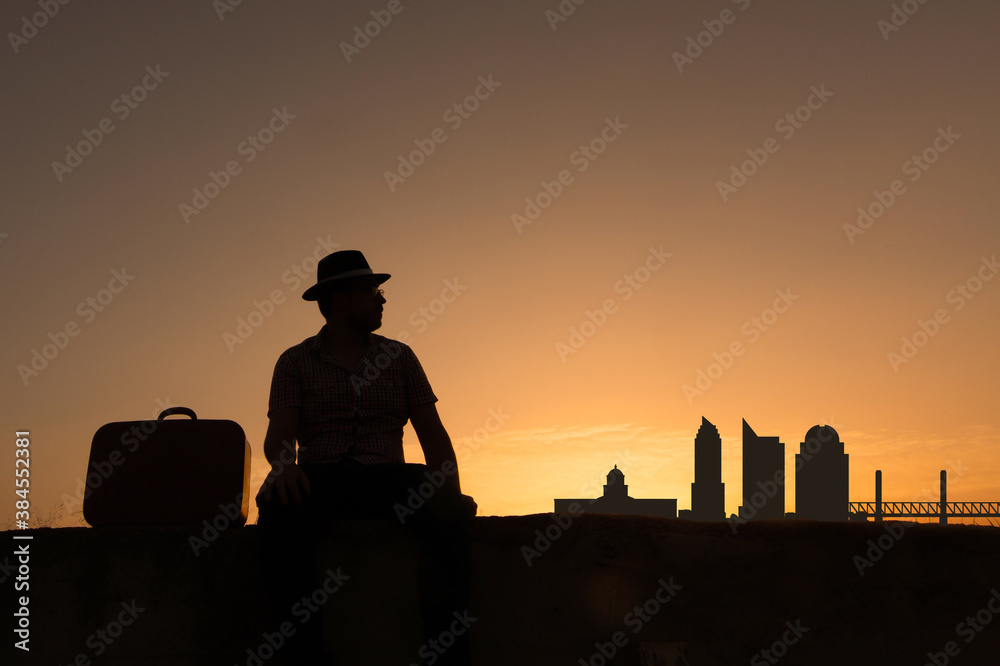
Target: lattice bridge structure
x=943, y=510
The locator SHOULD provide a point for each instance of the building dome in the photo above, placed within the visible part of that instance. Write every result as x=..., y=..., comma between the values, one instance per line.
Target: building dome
x=823, y=434
x=822, y=476
x=616, y=484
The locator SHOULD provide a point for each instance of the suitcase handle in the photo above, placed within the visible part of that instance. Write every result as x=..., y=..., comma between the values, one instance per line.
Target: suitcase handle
x=187, y=411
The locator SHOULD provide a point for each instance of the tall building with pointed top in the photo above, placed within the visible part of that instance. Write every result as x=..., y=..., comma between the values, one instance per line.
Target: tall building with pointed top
x=708, y=493
x=763, y=476
x=822, y=479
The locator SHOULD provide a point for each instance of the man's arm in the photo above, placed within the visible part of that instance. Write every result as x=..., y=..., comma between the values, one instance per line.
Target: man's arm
x=438, y=451
x=434, y=440
x=286, y=478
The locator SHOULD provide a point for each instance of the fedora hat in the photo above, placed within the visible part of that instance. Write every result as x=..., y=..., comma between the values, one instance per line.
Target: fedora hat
x=342, y=265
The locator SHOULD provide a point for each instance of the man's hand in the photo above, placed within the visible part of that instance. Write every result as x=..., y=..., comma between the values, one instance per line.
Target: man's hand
x=285, y=478
x=288, y=482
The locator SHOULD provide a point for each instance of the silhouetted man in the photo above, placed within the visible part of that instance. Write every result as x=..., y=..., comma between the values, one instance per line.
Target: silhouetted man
x=344, y=395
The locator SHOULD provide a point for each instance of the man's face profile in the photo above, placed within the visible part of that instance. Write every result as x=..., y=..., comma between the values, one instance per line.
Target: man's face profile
x=359, y=305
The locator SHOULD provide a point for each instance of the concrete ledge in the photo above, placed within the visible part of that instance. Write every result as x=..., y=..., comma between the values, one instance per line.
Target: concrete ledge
x=733, y=593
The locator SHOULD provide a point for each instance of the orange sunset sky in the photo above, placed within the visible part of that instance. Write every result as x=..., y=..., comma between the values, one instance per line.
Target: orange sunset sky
x=632, y=126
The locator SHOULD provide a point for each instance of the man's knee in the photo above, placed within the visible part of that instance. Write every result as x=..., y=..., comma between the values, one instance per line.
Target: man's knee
x=445, y=509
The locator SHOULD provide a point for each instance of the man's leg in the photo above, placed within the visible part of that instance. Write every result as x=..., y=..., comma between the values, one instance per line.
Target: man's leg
x=349, y=490
x=288, y=537
x=441, y=527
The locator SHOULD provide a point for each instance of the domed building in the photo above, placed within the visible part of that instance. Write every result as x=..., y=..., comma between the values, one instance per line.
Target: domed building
x=821, y=476
x=616, y=500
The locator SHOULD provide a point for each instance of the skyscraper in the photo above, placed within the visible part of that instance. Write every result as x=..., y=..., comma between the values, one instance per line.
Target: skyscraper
x=821, y=476
x=708, y=493
x=763, y=476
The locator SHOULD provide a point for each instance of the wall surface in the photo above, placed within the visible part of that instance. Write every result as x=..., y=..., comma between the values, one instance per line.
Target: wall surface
x=640, y=590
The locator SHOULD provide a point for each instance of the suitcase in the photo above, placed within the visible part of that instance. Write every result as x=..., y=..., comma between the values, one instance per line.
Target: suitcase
x=168, y=472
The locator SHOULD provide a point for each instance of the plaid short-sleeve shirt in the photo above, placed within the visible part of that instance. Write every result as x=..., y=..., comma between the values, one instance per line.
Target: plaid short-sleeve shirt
x=354, y=413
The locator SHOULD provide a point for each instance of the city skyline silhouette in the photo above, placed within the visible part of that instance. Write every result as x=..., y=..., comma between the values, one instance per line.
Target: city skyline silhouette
x=567, y=261
x=821, y=472
x=704, y=295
